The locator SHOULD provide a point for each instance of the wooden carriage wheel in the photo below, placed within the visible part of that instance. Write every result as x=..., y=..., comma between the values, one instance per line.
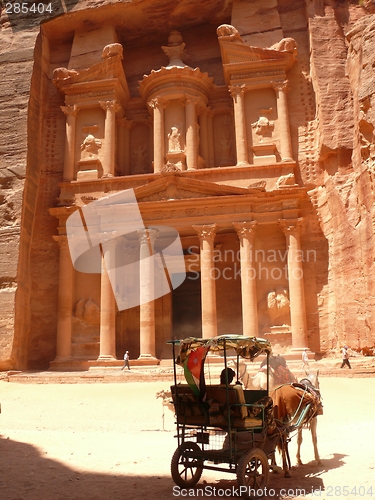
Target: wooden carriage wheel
x=252, y=472
x=186, y=471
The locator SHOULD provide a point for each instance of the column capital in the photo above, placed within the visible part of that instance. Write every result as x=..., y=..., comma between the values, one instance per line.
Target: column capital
x=158, y=103
x=70, y=110
x=210, y=112
x=189, y=99
x=125, y=123
x=147, y=236
x=130, y=251
x=281, y=85
x=206, y=232
x=204, y=111
x=62, y=240
x=109, y=240
x=110, y=105
x=290, y=226
x=236, y=90
x=245, y=230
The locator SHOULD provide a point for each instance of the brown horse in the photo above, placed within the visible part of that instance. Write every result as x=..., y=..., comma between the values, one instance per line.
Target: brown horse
x=296, y=406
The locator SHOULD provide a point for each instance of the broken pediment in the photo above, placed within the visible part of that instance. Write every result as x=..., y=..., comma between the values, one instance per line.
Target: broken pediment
x=175, y=187
x=99, y=77
x=244, y=61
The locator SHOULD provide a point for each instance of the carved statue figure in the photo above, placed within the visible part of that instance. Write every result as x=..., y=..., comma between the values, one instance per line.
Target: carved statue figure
x=286, y=45
x=87, y=311
x=174, y=143
x=92, y=313
x=227, y=30
x=90, y=147
x=63, y=73
x=263, y=126
x=111, y=50
x=286, y=180
x=278, y=306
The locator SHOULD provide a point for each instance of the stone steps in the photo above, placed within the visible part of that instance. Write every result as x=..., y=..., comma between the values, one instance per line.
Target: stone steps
x=113, y=374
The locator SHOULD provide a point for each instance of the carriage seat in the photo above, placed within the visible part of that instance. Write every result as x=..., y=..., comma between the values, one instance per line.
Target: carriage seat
x=216, y=395
x=214, y=410
x=188, y=409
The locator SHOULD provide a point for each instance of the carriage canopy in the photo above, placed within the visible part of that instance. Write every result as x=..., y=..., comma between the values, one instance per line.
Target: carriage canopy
x=245, y=347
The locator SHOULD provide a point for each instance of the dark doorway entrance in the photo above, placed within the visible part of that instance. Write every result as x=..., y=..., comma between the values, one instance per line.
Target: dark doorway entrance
x=187, y=308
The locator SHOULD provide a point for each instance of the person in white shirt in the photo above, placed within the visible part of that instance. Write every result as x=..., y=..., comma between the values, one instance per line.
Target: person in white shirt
x=126, y=360
x=305, y=359
x=345, y=357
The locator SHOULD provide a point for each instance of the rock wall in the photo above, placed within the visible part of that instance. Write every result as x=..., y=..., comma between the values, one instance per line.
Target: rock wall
x=341, y=57
x=16, y=67
x=332, y=124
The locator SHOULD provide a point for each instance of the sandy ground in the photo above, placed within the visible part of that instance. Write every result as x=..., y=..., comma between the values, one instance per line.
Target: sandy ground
x=108, y=441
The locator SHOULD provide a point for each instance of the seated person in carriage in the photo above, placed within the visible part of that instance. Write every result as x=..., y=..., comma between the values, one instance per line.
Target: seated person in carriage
x=227, y=372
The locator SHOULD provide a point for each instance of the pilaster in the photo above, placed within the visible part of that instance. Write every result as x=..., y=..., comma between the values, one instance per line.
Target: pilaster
x=64, y=301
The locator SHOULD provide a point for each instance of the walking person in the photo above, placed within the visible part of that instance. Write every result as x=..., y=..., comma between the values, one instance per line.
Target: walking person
x=345, y=357
x=126, y=360
x=305, y=359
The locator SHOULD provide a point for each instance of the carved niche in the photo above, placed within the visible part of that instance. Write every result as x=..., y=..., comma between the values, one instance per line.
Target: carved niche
x=225, y=154
x=140, y=154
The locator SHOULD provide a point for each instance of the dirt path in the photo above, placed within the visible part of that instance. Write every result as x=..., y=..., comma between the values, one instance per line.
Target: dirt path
x=106, y=441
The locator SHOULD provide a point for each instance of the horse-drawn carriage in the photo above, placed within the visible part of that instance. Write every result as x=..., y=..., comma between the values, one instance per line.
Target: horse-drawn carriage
x=223, y=427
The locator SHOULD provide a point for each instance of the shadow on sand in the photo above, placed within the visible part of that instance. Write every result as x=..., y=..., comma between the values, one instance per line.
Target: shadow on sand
x=305, y=480
x=26, y=474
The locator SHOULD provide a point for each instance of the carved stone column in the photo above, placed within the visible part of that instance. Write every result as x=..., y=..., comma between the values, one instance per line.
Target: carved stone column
x=206, y=235
x=70, y=132
x=238, y=94
x=191, y=136
x=109, y=154
x=158, y=106
x=246, y=232
x=107, y=306
x=147, y=308
x=64, y=301
x=281, y=89
x=291, y=229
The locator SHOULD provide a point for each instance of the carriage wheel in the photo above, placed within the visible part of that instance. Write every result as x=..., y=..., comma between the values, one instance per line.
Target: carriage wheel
x=252, y=471
x=186, y=471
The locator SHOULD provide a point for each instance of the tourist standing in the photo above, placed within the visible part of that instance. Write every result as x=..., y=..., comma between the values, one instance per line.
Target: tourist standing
x=345, y=357
x=305, y=359
x=126, y=360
